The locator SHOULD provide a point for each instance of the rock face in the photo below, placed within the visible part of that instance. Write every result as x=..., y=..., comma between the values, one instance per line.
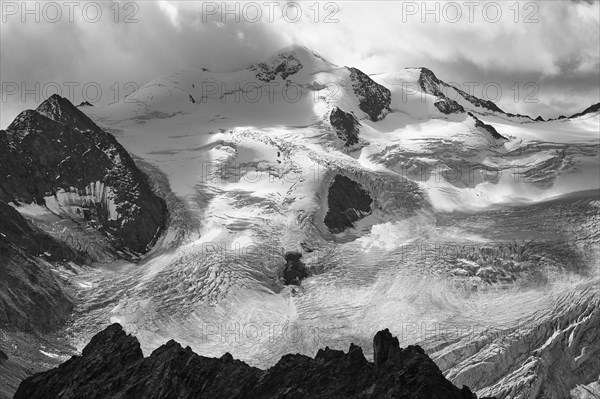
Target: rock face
x=31, y=297
x=385, y=347
x=448, y=106
x=373, y=98
x=348, y=202
x=112, y=366
x=283, y=64
x=57, y=157
x=294, y=271
x=488, y=128
x=346, y=126
x=429, y=83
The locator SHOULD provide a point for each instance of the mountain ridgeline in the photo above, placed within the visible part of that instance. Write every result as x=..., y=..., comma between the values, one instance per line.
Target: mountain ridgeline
x=112, y=365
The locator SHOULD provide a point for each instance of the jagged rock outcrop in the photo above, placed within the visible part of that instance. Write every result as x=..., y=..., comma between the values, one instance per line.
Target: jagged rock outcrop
x=32, y=298
x=347, y=203
x=488, y=128
x=385, y=347
x=295, y=271
x=373, y=98
x=85, y=104
x=448, y=106
x=57, y=157
x=345, y=125
x=284, y=64
x=112, y=366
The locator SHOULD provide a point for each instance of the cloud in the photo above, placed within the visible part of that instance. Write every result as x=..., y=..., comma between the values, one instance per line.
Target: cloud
x=559, y=52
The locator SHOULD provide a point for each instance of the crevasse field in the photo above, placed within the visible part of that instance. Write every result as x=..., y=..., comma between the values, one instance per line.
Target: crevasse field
x=483, y=251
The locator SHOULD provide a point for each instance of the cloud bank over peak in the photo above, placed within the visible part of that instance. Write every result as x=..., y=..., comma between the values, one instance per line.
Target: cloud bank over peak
x=552, y=45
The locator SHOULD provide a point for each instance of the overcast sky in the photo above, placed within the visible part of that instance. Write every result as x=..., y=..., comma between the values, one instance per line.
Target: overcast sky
x=549, y=51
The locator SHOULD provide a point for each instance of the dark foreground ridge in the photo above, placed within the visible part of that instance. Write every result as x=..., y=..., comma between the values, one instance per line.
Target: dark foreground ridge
x=112, y=366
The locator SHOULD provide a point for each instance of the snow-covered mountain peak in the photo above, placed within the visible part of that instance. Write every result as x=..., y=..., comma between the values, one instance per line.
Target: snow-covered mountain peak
x=291, y=60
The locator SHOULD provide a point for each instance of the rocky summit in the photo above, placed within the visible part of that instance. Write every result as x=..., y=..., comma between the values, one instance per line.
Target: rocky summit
x=112, y=366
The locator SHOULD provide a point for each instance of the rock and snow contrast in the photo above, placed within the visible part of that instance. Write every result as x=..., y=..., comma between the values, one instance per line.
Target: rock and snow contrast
x=112, y=365
x=310, y=205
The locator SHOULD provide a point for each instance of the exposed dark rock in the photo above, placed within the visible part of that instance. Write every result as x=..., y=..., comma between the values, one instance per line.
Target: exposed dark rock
x=60, y=110
x=488, y=128
x=373, y=98
x=283, y=64
x=3, y=356
x=112, y=366
x=58, y=150
x=430, y=84
x=385, y=347
x=348, y=202
x=346, y=126
x=448, y=106
x=294, y=271
x=539, y=119
x=562, y=117
x=31, y=296
x=588, y=110
x=85, y=104
x=192, y=99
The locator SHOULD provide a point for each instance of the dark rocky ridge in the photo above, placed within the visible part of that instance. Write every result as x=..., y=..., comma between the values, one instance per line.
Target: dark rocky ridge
x=488, y=128
x=589, y=110
x=448, y=106
x=283, y=64
x=373, y=98
x=345, y=125
x=347, y=202
x=112, y=366
x=429, y=83
x=57, y=148
x=31, y=297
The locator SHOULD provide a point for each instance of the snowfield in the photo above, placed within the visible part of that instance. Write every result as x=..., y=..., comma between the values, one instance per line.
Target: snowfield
x=483, y=250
